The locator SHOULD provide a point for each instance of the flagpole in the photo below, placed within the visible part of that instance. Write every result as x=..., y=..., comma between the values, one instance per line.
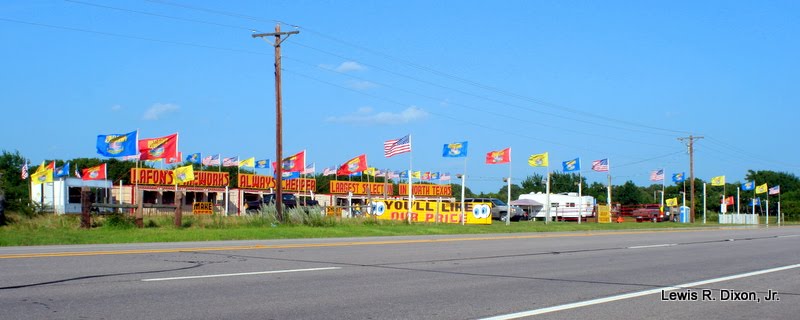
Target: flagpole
x=463, y=192
x=219, y=165
x=608, y=162
x=547, y=191
x=508, y=204
x=410, y=184
x=663, y=183
x=704, y=202
x=580, y=192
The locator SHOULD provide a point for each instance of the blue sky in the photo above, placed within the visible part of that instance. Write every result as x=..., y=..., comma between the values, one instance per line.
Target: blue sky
x=590, y=79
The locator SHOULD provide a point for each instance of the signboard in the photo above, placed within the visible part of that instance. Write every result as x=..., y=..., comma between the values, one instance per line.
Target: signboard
x=166, y=177
x=432, y=211
x=442, y=190
x=254, y=181
x=374, y=188
x=203, y=208
x=603, y=214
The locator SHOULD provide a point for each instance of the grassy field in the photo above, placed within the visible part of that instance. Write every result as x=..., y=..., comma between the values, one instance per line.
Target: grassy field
x=49, y=229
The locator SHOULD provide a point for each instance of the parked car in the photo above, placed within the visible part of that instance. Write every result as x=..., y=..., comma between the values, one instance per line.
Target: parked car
x=500, y=209
x=288, y=199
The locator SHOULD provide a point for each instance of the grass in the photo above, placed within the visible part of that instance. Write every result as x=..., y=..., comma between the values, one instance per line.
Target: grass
x=64, y=229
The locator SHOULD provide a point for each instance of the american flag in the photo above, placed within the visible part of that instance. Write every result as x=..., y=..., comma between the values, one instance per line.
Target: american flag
x=445, y=176
x=397, y=146
x=775, y=190
x=657, y=175
x=600, y=165
x=310, y=169
x=329, y=171
x=211, y=160
x=25, y=171
x=230, y=162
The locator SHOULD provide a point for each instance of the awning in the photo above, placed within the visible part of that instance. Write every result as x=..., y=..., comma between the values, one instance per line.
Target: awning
x=526, y=202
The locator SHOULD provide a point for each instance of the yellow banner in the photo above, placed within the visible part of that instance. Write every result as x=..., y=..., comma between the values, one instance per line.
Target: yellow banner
x=167, y=177
x=254, y=181
x=374, y=188
x=761, y=189
x=431, y=211
x=603, y=214
x=443, y=190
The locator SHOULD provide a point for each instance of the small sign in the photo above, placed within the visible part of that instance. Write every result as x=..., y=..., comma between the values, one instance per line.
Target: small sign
x=203, y=208
x=603, y=214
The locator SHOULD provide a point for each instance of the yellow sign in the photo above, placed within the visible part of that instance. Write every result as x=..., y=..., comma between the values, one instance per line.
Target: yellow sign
x=444, y=190
x=254, y=181
x=203, y=208
x=603, y=214
x=167, y=177
x=431, y=211
x=374, y=188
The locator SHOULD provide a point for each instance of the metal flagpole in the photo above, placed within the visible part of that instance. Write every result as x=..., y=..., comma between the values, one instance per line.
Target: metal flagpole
x=410, y=184
x=547, y=191
x=608, y=162
x=704, y=202
x=508, y=204
x=663, y=182
x=463, y=192
x=580, y=194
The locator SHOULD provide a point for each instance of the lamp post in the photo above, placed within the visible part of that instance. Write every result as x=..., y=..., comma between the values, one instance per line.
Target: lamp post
x=463, y=177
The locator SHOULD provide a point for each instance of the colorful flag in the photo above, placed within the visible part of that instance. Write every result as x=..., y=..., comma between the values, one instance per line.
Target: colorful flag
x=749, y=185
x=329, y=171
x=455, y=150
x=380, y=173
x=296, y=162
x=355, y=174
x=354, y=165
x=262, y=164
x=672, y=202
x=539, y=160
x=62, y=171
x=445, y=177
x=42, y=175
x=134, y=157
x=729, y=200
x=42, y=167
x=230, y=162
x=24, y=174
x=94, y=173
x=184, y=174
x=761, y=189
x=600, y=165
x=755, y=202
x=194, y=158
x=775, y=190
x=718, y=181
x=403, y=174
x=249, y=162
x=370, y=171
x=657, y=175
x=498, y=157
x=211, y=160
x=77, y=173
x=176, y=159
x=426, y=176
x=117, y=145
x=159, y=148
x=678, y=177
x=288, y=175
x=416, y=174
x=310, y=169
x=434, y=176
x=397, y=146
x=572, y=165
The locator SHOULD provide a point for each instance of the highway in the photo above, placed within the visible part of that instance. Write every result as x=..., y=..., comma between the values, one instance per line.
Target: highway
x=724, y=273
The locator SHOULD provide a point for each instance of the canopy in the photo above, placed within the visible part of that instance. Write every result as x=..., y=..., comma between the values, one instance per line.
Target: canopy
x=526, y=202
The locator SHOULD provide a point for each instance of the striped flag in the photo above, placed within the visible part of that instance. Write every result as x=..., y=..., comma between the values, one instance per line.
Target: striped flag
x=600, y=165
x=329, y=171
x=24, y=171
x=230, y=162
x=211, y=160
x=310, y=169
x=775, y=190
x=657, y=175
x=397, y=146
x=445, y=176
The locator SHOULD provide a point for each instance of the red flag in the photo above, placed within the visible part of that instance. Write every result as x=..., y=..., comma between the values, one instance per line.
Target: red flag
x=357, y=164
x=498, y=157
x=729, y=201
x=94, y=173
x=295, y=163
x=159, y=148
x=171, y=160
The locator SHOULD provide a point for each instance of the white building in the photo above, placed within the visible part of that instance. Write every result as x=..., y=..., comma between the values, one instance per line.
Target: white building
x=562, y=205
x=64, y=195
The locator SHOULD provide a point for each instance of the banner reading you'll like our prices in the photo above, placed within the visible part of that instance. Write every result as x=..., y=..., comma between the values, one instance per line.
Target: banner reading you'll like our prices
x=431, y=211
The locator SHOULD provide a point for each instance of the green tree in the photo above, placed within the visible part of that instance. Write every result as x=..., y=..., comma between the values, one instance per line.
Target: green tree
x=629, y=193
x=16, y=190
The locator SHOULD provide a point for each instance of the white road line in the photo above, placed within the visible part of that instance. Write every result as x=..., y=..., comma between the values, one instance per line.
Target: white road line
x=241, y=274
x=635, y=294
x=788, y=236
x=654, y=246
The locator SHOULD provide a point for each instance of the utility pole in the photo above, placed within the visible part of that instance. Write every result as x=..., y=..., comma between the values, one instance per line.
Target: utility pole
x=278, y=115
x=691, y=140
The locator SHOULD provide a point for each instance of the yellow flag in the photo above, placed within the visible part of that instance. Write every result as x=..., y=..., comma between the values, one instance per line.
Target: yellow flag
x=672, y=202
x=718, y=181
x=184, y=174
x=538, y=160
x=42, y=176
x=761, y=189
x=249, y=162
x=370, y=171
x=416, y=174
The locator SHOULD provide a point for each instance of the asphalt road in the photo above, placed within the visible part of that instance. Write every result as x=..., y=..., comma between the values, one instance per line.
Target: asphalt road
x=597, y=275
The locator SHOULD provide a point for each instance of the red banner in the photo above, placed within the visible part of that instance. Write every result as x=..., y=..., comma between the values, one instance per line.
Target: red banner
x=159, y=148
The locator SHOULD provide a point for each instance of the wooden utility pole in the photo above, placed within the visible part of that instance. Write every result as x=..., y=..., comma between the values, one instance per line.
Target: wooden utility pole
x=278, y=116
x=691, y=140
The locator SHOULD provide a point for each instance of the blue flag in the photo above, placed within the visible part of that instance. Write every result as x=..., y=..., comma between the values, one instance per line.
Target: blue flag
x=404, y=174
x=289, y=175
x=455, y=150
x=572, y=165
x=194, y=158
x=748, y=186
x=262, y=164
x=678, y=177
x=118, y=145
x=62, y=171
x=755, y=202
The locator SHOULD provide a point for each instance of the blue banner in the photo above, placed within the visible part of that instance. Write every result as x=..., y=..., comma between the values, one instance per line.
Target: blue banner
x=117, y=145
x=455, y=150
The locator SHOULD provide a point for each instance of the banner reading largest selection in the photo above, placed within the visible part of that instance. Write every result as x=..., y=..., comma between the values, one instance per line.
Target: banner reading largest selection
x=432, y=211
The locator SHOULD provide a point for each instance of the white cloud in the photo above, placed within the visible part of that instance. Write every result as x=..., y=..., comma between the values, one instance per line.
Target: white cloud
x=116, y=108
x=156, y=111
x=361, y=85
x=348, y=66
x=367, y=116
